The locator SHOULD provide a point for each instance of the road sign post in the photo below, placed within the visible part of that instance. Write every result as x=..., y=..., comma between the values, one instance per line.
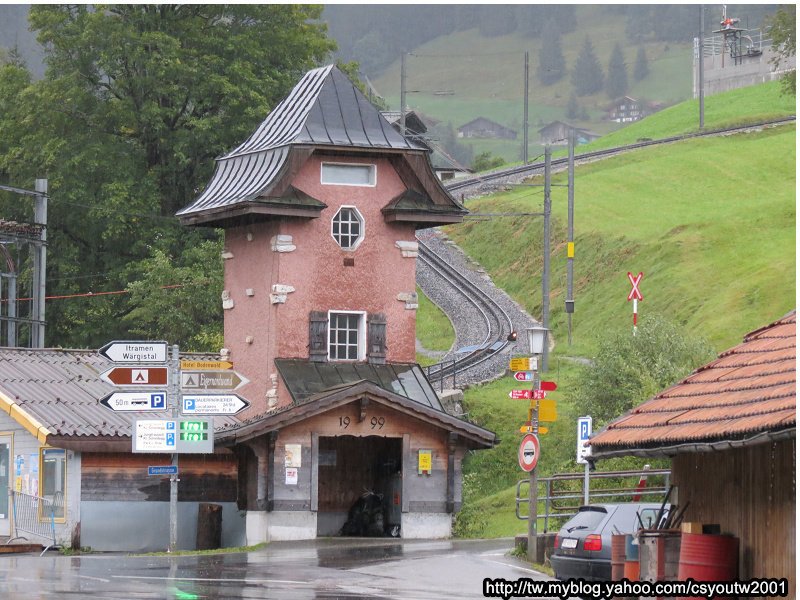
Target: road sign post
x=584, y=433
x=635, y=295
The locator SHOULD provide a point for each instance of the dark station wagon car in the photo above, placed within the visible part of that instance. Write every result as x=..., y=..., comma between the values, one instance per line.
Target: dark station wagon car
x=583, y=544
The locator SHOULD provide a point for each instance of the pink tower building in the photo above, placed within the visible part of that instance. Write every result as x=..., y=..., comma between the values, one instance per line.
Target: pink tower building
x=320, y=206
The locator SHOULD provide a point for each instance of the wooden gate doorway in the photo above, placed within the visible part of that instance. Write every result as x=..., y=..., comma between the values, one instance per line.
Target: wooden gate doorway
x=360, y=486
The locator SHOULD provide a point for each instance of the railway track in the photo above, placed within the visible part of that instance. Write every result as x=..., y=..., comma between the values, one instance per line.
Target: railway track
x=488, y=182
x=487, y=328
x=485, y=324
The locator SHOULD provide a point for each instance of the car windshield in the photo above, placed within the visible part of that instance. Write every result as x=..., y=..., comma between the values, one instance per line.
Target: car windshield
x=586, y=519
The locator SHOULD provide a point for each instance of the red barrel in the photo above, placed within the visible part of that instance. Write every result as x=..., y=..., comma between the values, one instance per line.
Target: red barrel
x=708, y=557
x=617, y=556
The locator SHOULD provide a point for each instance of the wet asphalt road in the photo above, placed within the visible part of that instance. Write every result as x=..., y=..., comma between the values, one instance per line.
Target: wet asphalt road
x=318, y=569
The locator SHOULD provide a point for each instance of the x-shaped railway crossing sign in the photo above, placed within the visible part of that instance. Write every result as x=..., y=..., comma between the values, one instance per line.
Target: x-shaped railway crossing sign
x=635, y=293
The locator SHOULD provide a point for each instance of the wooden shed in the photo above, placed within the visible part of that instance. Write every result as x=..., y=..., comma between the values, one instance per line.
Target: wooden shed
x=486, y=128
x=557, y=133
x=729, y=428
x=58, y=441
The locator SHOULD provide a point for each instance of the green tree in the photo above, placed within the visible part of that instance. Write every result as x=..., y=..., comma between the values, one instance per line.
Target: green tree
x=136, y=102
x=587, y=75
x=552, y=66
x=179, y=298
x=573, y=110
x=782, y=29
x=485, y=161
x=628, y=369
x=641, y=68
x=617, y=80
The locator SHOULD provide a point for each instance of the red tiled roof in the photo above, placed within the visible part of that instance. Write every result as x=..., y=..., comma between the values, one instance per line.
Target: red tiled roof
x=747, y=391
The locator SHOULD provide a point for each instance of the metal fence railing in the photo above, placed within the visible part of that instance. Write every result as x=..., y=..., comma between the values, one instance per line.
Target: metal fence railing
x=36, y=516
x=564, y=493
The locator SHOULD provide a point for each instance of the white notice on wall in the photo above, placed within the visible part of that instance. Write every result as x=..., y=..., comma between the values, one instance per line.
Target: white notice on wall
x=291, y=476
x=293, y=454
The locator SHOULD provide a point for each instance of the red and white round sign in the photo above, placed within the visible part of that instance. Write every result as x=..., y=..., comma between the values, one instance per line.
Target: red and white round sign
x=529, y=452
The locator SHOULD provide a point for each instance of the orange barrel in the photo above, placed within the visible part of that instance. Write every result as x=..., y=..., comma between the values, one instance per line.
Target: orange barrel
x=631, y=570
x=708, y=557
x=617, y=556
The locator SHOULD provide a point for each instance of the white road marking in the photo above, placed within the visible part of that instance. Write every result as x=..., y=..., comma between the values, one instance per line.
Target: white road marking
x=237, y=580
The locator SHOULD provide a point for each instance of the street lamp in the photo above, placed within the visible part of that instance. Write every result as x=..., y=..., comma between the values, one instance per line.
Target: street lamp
x=537, y=337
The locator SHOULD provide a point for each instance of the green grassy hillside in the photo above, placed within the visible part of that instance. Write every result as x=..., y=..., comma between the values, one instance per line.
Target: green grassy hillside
x=486, y=78
x=711, y=224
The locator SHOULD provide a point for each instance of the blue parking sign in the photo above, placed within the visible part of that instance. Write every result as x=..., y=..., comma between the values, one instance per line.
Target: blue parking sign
x=188, y=405
x=158, y=401
x=170, y=439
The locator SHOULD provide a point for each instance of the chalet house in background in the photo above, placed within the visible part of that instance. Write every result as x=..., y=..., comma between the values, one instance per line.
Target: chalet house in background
x=626, y=110
x=557, y=134
x=320, y=206
x=486, y=128
x=730, y=430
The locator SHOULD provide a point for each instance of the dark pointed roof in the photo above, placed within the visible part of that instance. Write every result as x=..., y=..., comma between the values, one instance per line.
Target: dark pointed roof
x=323, y=109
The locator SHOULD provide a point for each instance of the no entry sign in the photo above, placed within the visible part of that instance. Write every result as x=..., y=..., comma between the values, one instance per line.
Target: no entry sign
x=529, y=452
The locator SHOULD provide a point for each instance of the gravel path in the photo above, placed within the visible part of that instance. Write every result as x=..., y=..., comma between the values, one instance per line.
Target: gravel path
x=462, y=315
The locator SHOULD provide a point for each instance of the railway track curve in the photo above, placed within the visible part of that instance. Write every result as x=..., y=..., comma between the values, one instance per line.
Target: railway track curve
x=488, y=182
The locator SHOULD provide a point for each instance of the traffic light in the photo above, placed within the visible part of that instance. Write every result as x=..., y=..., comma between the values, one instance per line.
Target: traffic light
x=512, y=337
x=194, y=431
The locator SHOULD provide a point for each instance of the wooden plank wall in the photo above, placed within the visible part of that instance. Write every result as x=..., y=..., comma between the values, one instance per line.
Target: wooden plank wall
x=421, y=493
x=358, y=464
x=750, y=492
x=123, y=477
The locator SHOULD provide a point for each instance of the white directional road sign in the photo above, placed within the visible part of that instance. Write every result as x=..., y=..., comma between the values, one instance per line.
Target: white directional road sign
x=155, y=435
x=135, y=352
x=212, y=404
x=136, y=401
x=212, y=380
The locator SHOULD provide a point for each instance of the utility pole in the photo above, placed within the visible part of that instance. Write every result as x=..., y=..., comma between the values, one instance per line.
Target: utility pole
x=525, y=116
x=533, y=480
x=403, y=94
x=40, y=263
x=700, y=60
x=174, y=398
x=546, y=254
x=570, y=301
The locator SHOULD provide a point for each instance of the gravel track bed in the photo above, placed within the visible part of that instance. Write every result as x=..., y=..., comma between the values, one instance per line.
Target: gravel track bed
x=469, y=327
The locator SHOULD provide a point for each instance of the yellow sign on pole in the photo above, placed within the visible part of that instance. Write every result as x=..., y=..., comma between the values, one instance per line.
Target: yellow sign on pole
x=547, y=410
x=570, y=249
x=205, y=365
x=527, y=363
x=529, y=429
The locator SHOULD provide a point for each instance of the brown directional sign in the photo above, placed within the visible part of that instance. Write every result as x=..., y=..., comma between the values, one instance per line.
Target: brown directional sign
x=212, y=380
x=136, y=376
